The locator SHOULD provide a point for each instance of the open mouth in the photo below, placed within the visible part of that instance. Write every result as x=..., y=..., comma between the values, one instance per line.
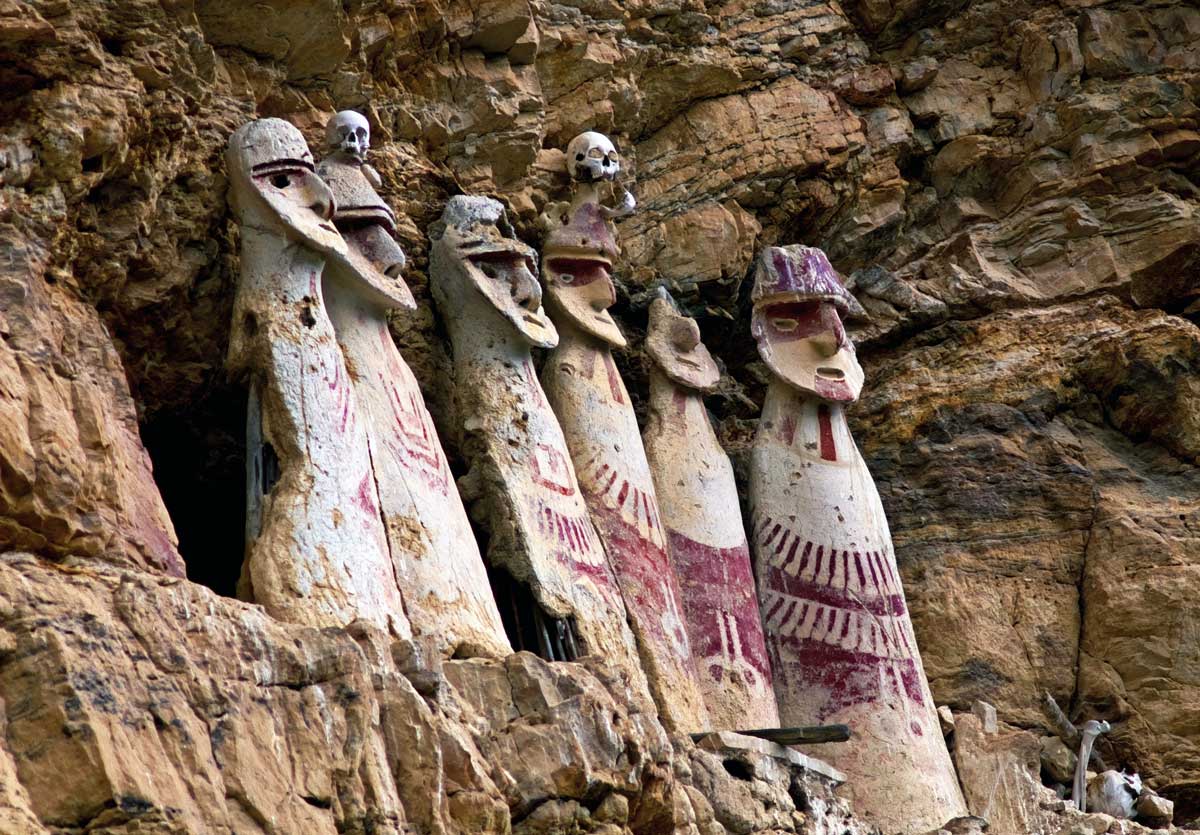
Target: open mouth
x=831, y=373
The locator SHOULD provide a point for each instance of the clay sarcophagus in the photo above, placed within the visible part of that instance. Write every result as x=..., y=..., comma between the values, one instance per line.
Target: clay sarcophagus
x=433, y=550
x=317, y=552
x=837, y=626
x=521, y=486
x=597, y=416
x=698, y=499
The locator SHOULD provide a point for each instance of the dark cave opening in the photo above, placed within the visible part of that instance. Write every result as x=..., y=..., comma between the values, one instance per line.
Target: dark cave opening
x=199, y=465
x=528, y=626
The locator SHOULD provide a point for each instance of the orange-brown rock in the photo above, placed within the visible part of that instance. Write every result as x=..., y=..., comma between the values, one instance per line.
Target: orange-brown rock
x=145, y=703
x=1018, y=217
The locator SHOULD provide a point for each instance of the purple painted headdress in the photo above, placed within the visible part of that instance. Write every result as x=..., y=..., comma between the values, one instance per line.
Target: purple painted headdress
x=800, y=273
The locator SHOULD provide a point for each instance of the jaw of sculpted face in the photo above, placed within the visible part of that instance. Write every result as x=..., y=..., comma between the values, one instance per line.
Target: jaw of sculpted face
x=580, y=291
x=497, y=267
x=276, y=185
x=377, y=245
x=349, y=132
x=673, y=343
x=805, y=344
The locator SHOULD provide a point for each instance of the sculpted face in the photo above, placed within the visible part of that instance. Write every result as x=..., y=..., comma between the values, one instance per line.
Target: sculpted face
x=805, y=343
x=494, y=265
x=580, y=290
x=673, y=343
x=275, y=184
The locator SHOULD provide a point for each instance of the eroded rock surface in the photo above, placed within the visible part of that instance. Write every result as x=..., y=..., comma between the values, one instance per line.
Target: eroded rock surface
x=170, y=709
x=1016, y=209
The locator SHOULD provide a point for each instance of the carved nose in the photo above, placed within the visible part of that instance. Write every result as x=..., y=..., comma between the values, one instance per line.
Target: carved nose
x=833, y=321
x=605, y=294
x=526, y=291
x=687, y=335
x=322, y=199
x=827, y=343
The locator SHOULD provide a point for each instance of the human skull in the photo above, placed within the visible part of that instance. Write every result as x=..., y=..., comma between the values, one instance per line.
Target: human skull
x=348, y=131
x=592, y=156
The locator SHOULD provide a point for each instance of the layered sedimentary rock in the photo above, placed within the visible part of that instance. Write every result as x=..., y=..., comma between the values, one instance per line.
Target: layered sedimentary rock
x=1007, y=185
x=76, y=479
x=165, y=708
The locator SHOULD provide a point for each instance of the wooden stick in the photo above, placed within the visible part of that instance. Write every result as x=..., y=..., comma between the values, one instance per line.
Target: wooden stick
x=1065, y=729
x=811, y=735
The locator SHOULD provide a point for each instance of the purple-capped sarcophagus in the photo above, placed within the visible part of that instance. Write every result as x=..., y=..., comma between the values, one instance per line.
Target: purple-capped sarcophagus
x=836, y=622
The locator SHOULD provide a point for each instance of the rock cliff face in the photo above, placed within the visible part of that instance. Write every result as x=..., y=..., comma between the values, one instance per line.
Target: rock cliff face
x=135, y=703
x=1011, y=188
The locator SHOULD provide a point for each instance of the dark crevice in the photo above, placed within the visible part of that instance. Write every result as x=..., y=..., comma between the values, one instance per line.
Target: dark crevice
x=738, y=769
x=528, y=626
x=198, y=454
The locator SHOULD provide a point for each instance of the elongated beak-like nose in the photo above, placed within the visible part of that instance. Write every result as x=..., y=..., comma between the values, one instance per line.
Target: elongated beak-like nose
x=526, y=291
x=834, y=327
x=320, y=198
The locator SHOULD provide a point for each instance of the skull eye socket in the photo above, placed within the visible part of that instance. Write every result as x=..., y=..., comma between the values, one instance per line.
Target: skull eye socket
x=612, y=158
x=596, y=153
x=360, y=133
x=784, y=325
x=579, y=157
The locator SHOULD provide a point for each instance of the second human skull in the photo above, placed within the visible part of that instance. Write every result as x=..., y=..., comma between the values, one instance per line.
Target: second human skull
x=350, y=132
x=592, y=156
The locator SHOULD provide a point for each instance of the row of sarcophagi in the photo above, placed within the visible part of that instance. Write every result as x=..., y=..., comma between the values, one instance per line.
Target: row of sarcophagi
x=602, y=538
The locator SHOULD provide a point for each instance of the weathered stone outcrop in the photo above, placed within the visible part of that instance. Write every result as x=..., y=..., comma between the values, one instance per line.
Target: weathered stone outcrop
x=1008, y=186
x=165, y=708
x=74, y=477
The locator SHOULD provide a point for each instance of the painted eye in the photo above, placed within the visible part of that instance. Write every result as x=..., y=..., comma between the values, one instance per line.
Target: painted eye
x=784, y=325
x=566, y=278
x=281, y=181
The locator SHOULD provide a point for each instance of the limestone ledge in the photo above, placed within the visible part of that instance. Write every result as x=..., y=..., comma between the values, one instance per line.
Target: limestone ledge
x=1016, y=211
x=148, y=704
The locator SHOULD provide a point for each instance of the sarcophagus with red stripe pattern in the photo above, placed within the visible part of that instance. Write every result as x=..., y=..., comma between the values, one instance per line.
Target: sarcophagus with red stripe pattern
x=698, y=498
x=434, y=555
x=556, y=589
x=837, y=627
x=598, y=420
